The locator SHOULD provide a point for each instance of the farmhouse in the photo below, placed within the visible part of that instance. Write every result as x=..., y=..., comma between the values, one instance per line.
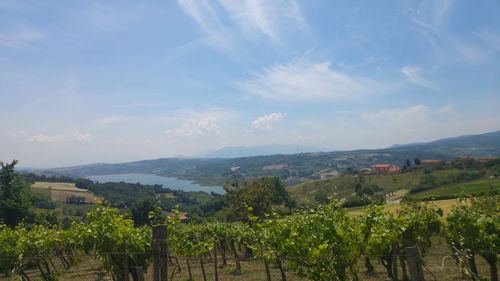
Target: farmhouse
x=385, y=169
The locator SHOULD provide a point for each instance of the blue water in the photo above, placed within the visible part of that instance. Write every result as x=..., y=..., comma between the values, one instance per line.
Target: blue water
x=171, y=183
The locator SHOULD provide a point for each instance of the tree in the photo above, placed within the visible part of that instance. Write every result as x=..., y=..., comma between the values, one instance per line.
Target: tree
x=258, y=196
x=14, y=196
x=146, y=211
x=417, y=161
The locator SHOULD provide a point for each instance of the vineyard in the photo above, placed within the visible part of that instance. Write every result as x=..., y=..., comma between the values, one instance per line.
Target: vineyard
x=324, y=243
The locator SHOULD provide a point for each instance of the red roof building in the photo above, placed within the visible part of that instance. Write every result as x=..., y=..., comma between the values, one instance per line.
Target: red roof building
x=385, y=169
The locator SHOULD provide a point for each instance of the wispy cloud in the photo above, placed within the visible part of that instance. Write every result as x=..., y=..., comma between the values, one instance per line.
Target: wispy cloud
x=303, y=80
x=266, y=17
x=76, y=137
x=226, y=23
x=448, y=45
x=398, y=114
x=414, y=76
x=198, y=123
x=267, y=121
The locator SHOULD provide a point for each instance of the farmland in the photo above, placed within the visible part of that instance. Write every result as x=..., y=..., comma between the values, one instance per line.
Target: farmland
x=468, y=188
x=58, y=191
x=343, y=186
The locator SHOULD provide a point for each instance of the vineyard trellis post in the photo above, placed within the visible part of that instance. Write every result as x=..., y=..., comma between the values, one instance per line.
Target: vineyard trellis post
x=125, y=265
x=394, y=256
x=160, y=253
x=216, y=272
x=414, y=263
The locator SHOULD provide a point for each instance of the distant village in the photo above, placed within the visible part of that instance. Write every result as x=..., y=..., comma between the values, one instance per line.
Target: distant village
x=388, y=168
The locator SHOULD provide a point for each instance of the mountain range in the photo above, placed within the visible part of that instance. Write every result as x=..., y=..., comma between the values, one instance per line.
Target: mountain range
x=292, y=168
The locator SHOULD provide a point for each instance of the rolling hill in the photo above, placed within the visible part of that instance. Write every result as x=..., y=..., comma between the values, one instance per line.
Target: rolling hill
x=259, y=150
x=294, y=168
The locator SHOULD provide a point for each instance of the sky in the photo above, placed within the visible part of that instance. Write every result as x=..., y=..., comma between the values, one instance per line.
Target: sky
x=114, y=81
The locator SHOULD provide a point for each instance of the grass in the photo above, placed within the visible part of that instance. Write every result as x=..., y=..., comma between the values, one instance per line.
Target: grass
x=468, y=188
x=343, y=186
x=445, y=205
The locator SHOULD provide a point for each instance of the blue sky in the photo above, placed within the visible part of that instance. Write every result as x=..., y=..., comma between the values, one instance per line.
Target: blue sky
x=110, y=81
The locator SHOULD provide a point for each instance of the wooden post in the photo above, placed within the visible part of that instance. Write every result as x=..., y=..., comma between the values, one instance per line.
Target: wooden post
x=395, y=253
x=268, y=272
x=189, y=269
x=216, y=272
x=160, y=253
x=139, y=273
x=414, y=263
x=203, y=270
x=126, y=276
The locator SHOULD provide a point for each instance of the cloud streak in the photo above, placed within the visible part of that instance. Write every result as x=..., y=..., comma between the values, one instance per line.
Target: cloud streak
x=227, y=24
x=303, y=80
x=76, y=137
x=414, y=76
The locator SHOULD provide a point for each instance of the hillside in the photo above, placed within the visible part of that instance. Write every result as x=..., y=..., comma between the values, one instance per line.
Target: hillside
x=443, y=182
x=259, y=150
x=294, y=168
x=470, y=145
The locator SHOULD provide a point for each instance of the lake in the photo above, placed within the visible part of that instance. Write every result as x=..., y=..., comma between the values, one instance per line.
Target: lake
x=167, y=182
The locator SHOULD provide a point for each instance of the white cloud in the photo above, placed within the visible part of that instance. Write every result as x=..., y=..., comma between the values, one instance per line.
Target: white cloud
x=206, y=17
x=81, y=137
x=266, y=17
x=196, y=127
x=226, y=23
x=302, y=80
x=112, y=119
x=413, y=75
x=76, y=137
x=266, y=122
x=201, y=123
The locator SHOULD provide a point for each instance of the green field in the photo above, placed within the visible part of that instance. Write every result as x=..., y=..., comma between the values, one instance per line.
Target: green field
x=446, y=205
x=343, y=186
x=468, y=188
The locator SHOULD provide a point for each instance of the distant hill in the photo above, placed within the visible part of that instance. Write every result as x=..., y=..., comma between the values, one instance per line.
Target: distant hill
x=260, y=150
x=294, y=168
x=470, y=145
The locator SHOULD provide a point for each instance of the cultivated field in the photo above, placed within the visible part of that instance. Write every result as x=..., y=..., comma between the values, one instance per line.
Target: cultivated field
x=59, y=191
x=468, y=188
x=445, y=205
